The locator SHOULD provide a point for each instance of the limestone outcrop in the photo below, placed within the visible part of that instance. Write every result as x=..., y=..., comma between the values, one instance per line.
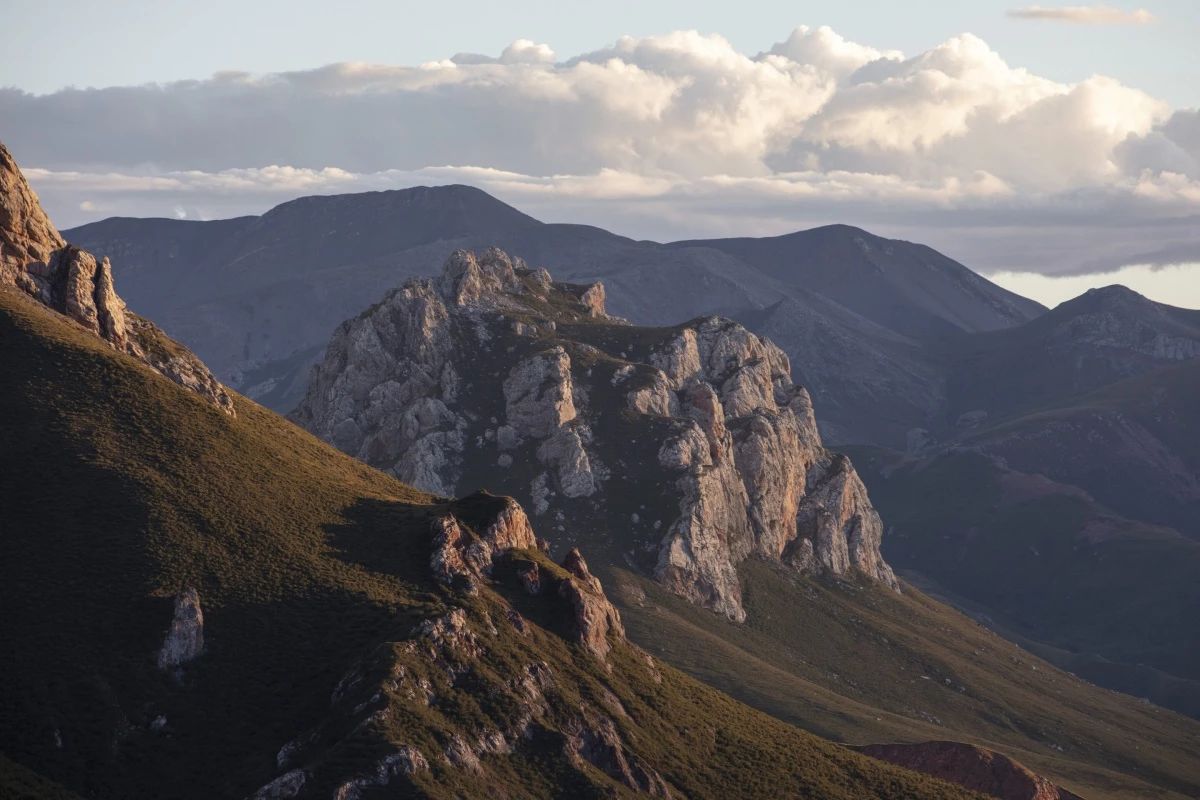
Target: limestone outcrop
x=184, y=641
x=595, y=617
x=471, y=537
x=35, y=259
x=683, y=451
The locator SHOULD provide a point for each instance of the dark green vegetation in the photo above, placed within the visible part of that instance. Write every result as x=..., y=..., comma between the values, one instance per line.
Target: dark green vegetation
x=862, y=664
x=19, y=783
x=120, y=488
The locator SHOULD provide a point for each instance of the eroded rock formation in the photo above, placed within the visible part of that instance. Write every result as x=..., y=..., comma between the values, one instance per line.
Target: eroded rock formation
x=37, y=260
x=470, y=538
x=682, y=451
x=595, y=618
x=185, y=637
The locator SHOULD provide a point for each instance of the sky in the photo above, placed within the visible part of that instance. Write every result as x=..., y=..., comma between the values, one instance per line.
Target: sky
x=1051, y=146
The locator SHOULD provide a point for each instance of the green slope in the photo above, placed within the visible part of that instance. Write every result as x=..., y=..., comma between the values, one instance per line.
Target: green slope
x=1072, y=527
x=19, y=783
x=119, y=488
x=1045, y=559
x=861, y=664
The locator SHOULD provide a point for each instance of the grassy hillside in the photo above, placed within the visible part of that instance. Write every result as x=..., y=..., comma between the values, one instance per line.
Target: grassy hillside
x=1134, y=444
x=1072, y=527
x=120, y=488
x=862, y=664
x=19, y=783
x=1044, y=558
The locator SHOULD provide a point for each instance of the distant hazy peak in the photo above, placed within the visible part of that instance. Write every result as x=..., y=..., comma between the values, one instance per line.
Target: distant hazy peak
x=454, y=197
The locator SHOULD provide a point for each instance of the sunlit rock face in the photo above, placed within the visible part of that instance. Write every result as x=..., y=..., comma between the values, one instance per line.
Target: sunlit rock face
x=35, y=259
x=679, y=451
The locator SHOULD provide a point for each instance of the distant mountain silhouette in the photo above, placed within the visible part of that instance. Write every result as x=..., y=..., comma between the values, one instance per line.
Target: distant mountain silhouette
x=257, y=297
x=909, y=288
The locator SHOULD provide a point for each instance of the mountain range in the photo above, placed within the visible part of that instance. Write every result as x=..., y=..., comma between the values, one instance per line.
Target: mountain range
x=258, y=297
x=218, y=588
x=903, y=351
x=201, y=600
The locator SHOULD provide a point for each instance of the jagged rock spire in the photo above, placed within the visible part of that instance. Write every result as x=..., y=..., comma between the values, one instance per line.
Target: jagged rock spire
x=689, y=447
x=36, y=259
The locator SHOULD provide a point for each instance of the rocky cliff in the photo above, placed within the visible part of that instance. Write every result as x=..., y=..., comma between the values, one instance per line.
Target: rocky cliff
x=36, y=259
x=679, y=451
x=479, y=544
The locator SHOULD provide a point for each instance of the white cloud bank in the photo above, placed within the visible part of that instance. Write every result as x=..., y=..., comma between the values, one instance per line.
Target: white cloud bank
x=661, y=136
x=1085, y=15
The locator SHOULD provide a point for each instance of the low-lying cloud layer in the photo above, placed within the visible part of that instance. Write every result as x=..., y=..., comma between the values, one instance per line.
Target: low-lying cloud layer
x=1085, y=15
x=662, y=136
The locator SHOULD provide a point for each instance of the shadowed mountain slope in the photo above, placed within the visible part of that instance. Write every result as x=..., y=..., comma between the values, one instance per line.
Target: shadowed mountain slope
x=328, y=653
x=909, y=288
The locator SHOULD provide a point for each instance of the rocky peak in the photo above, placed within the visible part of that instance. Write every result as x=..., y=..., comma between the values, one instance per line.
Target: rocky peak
x=1113, y=296
x=467, y=543
x=35, y=259
x=27, y=236
x=468, y=279
x=488, y=280
x=471, y=536
x=685, y=450
x=1116, y=318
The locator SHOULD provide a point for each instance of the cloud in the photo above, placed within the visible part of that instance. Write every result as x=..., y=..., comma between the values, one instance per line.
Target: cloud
x=522, y=51
x=658, y=136
x=1084, y=15
x=824, y=48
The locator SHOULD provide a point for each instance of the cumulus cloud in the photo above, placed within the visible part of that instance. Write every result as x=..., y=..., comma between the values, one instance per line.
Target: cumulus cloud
x=1085, y=15
x=825, y=49
x=522, y=51
x=657, y=136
